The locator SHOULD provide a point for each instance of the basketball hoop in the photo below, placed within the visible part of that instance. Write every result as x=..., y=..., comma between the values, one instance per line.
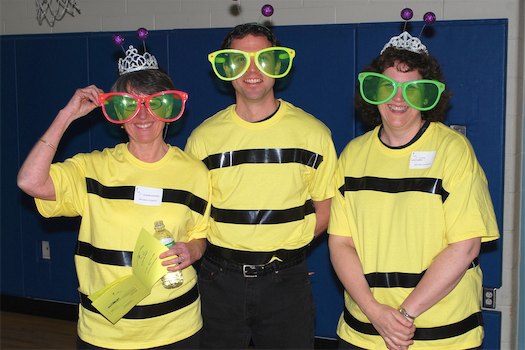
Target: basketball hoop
x=54, y=10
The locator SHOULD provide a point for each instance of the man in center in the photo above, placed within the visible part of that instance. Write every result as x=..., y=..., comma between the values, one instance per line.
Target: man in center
x=272, y=169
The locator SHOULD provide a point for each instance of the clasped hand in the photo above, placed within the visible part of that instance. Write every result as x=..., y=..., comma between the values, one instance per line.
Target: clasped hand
x=395, y=329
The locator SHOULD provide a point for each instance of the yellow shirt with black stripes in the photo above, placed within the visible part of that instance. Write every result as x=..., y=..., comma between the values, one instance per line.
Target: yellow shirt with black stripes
x=402, y=207
x=265, y=176
x=117, y=195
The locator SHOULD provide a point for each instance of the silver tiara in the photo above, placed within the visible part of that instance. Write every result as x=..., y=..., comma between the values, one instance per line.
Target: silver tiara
x=405, y=41
x=134, y=61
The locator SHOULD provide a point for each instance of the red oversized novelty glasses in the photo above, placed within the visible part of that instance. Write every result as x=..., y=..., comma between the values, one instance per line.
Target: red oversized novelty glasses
x=121, y=107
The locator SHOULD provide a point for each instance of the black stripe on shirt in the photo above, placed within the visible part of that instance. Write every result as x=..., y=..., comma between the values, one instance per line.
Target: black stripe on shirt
x=400, y=279
x=431, y=333
x=263, y=156
x=153, y=310
x=186, y=198
x=262, y=217
x=104, y=256
x=381, y=184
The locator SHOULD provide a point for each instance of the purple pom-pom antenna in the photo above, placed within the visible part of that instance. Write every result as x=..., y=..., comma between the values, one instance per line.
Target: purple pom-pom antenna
x=142, y=33
x=118, y=39
x=429, y=18
x=407, y=14
x=267, y=10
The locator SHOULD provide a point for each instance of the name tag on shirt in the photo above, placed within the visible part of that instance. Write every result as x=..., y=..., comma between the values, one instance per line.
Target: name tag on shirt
x=148, y=196
x=422, y=160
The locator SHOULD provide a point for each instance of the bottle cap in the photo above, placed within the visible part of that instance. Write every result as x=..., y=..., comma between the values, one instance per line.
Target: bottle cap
x=159, y=224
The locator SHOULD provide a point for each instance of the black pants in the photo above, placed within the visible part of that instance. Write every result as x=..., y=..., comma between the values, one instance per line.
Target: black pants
x=274, y=311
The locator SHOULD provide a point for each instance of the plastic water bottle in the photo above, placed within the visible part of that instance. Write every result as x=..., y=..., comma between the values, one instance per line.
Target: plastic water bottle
x=171, y=279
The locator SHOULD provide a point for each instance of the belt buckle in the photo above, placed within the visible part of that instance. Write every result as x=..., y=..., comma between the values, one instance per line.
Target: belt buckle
x=249, y=271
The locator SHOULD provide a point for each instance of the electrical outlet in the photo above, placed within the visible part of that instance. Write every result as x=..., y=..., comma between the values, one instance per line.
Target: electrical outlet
x=46, y=250
x=489, y=298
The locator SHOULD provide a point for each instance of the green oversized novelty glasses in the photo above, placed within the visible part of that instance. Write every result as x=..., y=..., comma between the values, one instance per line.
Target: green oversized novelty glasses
x=421, y=94
x=121, y=107
x=230, y=64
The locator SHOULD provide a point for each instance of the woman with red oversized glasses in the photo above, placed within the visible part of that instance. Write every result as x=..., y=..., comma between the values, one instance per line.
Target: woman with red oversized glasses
x=119, y=192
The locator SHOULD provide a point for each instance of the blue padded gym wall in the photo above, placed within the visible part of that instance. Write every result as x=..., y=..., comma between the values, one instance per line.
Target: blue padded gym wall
x=41, y=72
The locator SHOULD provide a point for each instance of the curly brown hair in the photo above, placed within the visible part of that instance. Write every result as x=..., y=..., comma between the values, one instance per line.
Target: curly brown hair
x=425, y=64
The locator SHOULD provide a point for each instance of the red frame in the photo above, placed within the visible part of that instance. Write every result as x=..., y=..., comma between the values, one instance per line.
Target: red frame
x=143, y=101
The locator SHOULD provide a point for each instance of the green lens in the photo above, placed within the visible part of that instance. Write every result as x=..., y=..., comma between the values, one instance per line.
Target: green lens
x=120, y=108
x=376, y=89
x=167, y=106
x=385, y=90
x=230, y=64
x=422, y=94
x=274, y=62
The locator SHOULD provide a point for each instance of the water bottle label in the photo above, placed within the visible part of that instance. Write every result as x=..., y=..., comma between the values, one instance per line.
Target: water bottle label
x=168, y=242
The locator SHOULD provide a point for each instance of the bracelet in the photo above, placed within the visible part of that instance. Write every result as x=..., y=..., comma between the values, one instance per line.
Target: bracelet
x=48, y=144
x=404, y=312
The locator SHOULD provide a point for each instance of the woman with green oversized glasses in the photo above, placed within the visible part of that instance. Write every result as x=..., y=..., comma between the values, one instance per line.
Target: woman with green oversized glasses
x=412, y=209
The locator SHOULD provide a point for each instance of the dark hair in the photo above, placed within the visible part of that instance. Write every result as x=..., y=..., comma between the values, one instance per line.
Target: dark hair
x=148, y=82
x=242, y=30
x=426, y=65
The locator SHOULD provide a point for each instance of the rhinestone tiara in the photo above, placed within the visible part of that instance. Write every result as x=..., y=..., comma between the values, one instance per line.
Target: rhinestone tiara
x=405, y=41
x=134, y=61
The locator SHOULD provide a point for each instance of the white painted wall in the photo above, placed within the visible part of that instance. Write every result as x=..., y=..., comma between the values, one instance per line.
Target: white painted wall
x=19, y=17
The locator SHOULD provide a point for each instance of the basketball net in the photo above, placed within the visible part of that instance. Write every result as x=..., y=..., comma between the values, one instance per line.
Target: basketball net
x=54, y=10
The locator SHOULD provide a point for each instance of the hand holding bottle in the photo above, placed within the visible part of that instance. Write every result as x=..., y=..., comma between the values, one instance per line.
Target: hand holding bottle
x=172, y=279
x=183, y=254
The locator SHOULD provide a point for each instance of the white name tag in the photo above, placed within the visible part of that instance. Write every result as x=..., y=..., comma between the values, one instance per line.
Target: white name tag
x=148, y=196
x=422, y=160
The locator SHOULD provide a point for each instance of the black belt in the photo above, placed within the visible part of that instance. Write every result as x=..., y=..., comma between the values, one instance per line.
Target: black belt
x=152, y=310
x=399, y=279
x=433, y=333
x=254, y=264
x=254, y=258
